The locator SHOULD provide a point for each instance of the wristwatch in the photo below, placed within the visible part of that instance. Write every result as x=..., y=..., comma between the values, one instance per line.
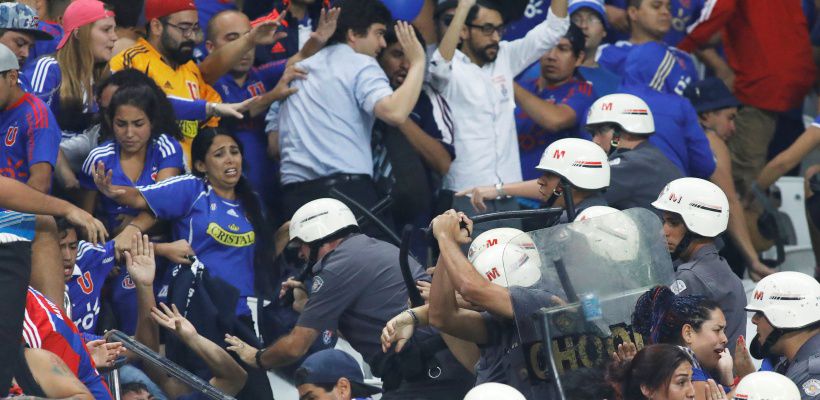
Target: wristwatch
x=499, y=189
x=259, y=358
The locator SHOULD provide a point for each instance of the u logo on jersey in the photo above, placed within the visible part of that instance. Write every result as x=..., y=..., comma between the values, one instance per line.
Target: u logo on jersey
x=193, y=88
x=257, y=89
x=85, y=282
x=11, y=135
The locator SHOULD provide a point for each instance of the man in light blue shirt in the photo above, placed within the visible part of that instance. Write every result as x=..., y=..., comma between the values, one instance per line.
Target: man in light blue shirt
x=325, y=128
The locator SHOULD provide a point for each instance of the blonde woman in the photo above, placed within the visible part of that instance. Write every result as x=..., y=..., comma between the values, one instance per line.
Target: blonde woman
x=65, y=80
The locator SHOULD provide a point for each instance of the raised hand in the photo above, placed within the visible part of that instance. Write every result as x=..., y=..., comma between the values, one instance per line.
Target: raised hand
x=139, y=261
x=410, y=43
x=103, y=180
x=266, y=32
x=171, y=319
x=625, y=353
x=327, y=24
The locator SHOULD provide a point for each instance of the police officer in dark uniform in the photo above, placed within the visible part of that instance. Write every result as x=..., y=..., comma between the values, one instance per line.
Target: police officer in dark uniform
x=639, y=169
x=695, y=212
x=357, y=288
x=787, y=315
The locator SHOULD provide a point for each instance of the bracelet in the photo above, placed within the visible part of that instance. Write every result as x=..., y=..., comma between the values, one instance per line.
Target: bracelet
x=135, y=226
x=413, y=315
x=499, y=189
x=259, y=358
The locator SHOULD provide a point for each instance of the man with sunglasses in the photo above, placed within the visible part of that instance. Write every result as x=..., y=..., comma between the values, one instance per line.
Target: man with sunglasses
x=477, y=81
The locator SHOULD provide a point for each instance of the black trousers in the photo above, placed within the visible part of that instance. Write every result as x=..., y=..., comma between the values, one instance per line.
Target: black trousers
x=358, y=187
x=15, y=272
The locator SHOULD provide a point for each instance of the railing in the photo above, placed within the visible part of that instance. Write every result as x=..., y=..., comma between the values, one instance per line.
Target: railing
x=171, y=368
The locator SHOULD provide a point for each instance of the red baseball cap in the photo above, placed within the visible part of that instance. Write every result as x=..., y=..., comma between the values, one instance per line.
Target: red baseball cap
x=80, y=13
x=161, y=8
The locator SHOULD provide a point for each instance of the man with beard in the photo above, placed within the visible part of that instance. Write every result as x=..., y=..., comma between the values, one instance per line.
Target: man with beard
x=477, y=81
x=422, y=144
x=166, y=56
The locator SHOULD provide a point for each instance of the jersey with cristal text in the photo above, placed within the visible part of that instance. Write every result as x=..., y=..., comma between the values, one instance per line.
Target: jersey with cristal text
x=216, y=228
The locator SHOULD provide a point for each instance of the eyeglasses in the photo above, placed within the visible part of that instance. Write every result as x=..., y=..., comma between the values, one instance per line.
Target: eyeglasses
x=187, y=30
x=489, y=29
x=588, y=19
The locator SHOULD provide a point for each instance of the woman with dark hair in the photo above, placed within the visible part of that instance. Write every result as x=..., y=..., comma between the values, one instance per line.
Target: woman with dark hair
x=692, y=322
x=658, y=372
x=143, y=150
x=214, y=209
x=217, y=212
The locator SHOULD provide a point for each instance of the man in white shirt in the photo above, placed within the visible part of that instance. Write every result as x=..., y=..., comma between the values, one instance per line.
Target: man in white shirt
x=477, y=81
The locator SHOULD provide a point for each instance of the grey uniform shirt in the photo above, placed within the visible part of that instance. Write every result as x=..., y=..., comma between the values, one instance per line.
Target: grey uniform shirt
x=357, y=289
x=804, y=370
x=637, y=176
x=708, y=274
x=504, y=356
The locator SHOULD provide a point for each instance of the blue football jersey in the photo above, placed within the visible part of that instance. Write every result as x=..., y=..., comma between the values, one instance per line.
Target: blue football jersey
x=30, y=136
x=534, y=139
x=217, y=229
x=94, y=263
x=614, y=58
x=162, y=152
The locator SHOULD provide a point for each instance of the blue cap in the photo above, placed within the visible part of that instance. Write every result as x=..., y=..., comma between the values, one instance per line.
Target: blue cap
x=594, y=5
x=327, y=366
x=22, y=18
x=710, y=94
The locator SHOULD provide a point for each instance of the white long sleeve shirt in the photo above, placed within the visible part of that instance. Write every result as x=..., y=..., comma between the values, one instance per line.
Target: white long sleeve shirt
x=483, y=104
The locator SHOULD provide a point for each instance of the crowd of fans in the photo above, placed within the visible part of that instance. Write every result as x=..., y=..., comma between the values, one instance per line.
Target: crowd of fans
x=237, y=173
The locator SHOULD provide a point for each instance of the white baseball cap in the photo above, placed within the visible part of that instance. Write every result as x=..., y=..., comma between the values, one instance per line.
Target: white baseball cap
x=8, y=61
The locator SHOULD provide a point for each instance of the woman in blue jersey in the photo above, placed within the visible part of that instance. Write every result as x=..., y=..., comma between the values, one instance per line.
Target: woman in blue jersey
x=215, y=209
x=143, y=148
x=692, y=322
x=65, y=80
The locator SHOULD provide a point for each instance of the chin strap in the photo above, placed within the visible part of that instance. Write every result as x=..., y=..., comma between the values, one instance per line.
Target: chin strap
x=761, y=351
x=569, y=204
x=683, y=245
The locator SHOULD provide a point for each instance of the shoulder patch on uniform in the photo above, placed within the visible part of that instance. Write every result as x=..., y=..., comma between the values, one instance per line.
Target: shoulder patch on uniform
x=811, y=387
x=317, y=284
x=614, y=162
x=678, y=287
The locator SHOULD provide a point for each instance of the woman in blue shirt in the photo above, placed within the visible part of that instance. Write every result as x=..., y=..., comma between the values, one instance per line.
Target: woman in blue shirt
x=143, y=148
x=692, y=322
x=215, y=209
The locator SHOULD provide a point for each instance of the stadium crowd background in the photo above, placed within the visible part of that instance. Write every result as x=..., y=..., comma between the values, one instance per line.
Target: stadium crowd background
x=196, y=174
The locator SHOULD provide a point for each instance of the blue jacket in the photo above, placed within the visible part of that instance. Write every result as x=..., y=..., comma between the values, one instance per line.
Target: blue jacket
x=678, y=133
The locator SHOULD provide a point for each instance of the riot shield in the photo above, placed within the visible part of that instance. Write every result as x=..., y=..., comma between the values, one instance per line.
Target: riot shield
x=589, y=277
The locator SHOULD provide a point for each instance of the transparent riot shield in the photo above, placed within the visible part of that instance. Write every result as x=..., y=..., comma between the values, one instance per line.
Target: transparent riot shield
x=576, y=293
